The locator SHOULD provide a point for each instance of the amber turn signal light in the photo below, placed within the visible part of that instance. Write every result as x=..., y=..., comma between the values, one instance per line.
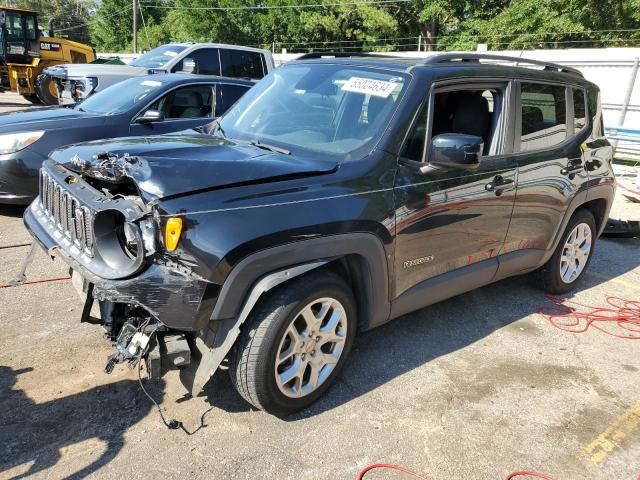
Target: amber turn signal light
x=172, y=232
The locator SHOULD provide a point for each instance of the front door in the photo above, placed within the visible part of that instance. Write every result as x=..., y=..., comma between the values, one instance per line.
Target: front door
x=448, y=219
x=182, y=109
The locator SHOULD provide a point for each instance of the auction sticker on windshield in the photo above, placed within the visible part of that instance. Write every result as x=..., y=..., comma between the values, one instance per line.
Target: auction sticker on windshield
x=368, y=86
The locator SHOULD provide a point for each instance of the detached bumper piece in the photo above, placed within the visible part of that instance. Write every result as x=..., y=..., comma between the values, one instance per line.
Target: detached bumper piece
x=622, y=228
x=170, y=352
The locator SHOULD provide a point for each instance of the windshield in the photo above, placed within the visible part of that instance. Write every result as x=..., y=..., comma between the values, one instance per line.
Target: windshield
x=120, y=97
x=158, y=57
x=333, y=109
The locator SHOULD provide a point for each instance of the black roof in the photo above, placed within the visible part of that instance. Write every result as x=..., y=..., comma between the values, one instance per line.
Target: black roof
x=490, y=63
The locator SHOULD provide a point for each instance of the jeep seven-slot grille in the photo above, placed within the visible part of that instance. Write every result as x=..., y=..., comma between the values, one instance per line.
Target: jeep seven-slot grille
x=69, y=216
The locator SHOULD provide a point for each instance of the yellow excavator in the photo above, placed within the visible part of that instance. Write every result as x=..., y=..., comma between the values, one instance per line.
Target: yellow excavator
x=24, y=53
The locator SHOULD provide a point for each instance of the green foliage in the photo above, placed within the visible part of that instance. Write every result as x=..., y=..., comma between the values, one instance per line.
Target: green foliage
x=528, y=24
x=443, y=24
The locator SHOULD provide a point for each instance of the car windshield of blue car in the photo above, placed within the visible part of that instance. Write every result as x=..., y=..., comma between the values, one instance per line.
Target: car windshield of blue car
x=121, y=97
x=328, y=108
x=158, y=57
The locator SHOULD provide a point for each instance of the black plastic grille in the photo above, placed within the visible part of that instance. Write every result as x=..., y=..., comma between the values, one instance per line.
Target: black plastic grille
x=69, y=216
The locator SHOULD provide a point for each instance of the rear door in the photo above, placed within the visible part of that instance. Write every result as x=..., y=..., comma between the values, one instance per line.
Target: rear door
x=448, y=219
x=550, y=166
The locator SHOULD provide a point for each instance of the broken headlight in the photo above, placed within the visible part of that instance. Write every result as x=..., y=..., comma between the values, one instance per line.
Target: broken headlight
x=84, y=87
x=119, y=243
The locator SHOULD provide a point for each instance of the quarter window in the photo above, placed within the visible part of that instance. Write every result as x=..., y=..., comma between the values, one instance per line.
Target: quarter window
x=544, y=116
x=579, y=110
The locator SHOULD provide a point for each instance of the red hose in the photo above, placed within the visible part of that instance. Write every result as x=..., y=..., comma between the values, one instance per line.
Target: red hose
x=389, y=466
x=410, y=473
x=31, y=282
x=528, y=473
x=620, y=319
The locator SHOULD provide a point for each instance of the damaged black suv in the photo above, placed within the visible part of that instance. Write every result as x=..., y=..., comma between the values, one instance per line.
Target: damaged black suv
x=336, y=195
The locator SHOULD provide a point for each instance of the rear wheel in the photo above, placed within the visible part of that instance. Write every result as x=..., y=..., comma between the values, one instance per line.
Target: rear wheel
x=46, y=89
x=572, y=256
x=295, y=343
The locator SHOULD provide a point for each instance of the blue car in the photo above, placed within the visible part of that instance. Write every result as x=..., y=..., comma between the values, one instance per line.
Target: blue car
x=151, y=105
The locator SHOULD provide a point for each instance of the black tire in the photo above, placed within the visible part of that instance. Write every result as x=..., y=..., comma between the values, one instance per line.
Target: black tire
x=42, y=90
x=32, y=98
x=549, y=275
x=252, y=363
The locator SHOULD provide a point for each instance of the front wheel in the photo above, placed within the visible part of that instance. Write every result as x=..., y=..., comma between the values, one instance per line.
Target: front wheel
x=572, y=256
x=46, y=90
x=295, y=343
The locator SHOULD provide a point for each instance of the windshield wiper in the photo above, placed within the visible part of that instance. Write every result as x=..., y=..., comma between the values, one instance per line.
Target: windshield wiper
x=214, y=127
x=271, y=148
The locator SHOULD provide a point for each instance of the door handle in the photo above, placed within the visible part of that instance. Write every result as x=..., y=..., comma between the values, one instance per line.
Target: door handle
x=498, y=184
x=572, y=169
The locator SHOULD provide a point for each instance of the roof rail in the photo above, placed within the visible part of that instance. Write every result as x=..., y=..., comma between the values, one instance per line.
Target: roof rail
x=439, y=58
x=308, y=56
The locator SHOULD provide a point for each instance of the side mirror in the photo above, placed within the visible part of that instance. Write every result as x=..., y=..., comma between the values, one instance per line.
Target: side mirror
x=456, y=150
x=150, y=116
x=189, y=65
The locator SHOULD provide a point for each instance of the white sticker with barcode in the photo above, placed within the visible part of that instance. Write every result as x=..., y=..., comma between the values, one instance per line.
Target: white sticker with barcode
x=368, y=86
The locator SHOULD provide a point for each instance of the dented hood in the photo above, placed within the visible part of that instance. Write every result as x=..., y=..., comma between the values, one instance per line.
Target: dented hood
x=173, y=165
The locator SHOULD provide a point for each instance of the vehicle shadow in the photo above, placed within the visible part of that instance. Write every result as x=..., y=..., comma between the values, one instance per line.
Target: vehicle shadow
x=385, y=353
x=38, y=432
x=12, y=210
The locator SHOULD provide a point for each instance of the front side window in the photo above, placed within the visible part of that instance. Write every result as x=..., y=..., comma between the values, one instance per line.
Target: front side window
x=14, y=27
x=241, y=64
x=469, y=111
x=194, y=101
x=544, y=116
x=158, y=57
x=327, y=108
x=120, y=97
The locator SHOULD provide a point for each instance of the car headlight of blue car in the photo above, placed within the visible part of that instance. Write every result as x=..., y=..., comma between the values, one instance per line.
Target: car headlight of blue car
x=14, y=142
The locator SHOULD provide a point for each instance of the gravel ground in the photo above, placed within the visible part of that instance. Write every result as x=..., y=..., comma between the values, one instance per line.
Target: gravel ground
x=474, y=387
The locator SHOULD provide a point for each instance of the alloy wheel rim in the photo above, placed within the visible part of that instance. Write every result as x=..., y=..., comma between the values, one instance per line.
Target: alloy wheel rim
x=311, y=347
x=575, y=253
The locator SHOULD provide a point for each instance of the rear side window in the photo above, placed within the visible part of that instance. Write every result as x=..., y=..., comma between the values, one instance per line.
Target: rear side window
x=227, y=95
x=241, y=64
x=32, y=33
x=544, y=116
x=207, y=61
x=579, y=110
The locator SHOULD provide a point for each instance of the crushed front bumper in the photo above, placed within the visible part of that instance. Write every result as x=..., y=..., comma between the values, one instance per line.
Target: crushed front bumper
x=176, y=299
